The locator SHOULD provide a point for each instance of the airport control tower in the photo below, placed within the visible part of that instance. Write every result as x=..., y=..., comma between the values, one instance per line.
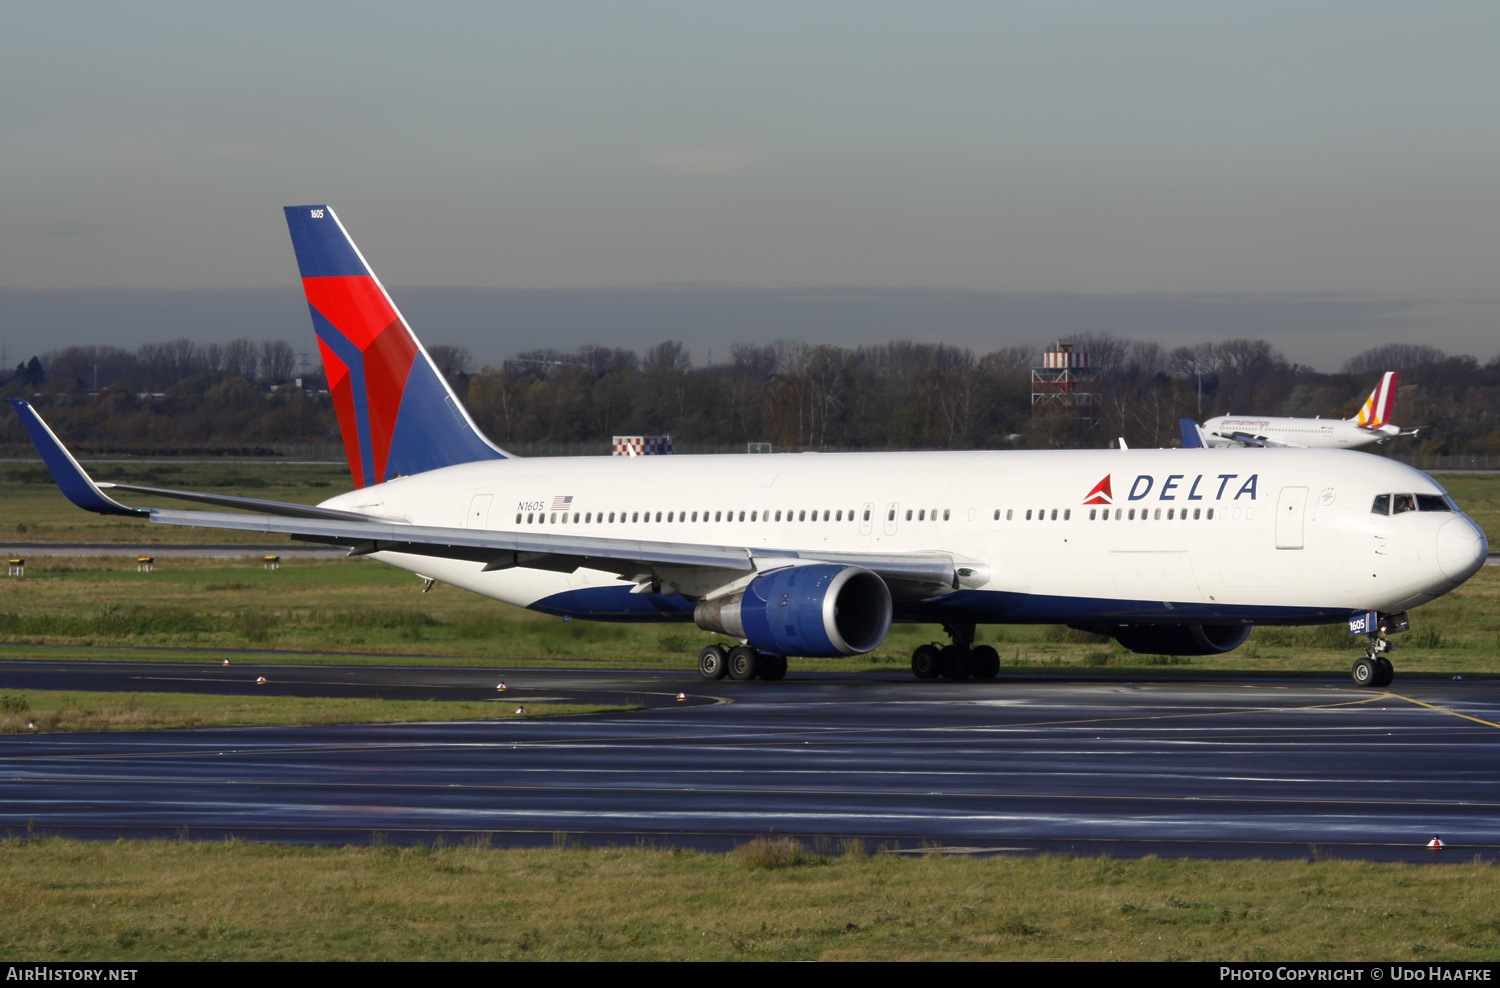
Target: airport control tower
x=1066, y=378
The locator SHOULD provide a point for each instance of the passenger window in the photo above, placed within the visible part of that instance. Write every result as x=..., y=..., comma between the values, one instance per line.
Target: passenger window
x=1382, y=505
x=1403, y=502
x=1169, y=514
x=825, y=514
x=718, y=515
x=1009, y=512
x=636, y=516
x=1132, y=514
x=1432, y=502
x=1197, y=513
x=778, y=516
x=945, y=514
x=908, y=514
x=1028, y=514
x=867, y=514
x=1158, y=514
x=1210, y=514
x=530, y=518
x=997, y=514
x=1067, y=514
x=518, y=517
x=1093, y=513
x=802, y=516
x=891, y=515
x=1054, y=514
x=839, y=516
x=922, y=515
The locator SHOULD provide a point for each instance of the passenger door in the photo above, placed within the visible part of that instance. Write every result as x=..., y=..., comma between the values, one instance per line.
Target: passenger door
x=1290, y=508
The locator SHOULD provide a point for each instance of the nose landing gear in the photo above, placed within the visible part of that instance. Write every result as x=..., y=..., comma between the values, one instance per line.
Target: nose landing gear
x=1373, y=669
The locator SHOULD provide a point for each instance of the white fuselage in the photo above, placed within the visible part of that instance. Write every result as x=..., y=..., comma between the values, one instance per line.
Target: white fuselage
x=1195, y=536
x=1314, y=433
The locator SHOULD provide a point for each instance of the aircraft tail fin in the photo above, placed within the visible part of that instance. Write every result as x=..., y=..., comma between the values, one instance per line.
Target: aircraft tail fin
x=1377, y=408
x=397, y=414
x=1192, y=434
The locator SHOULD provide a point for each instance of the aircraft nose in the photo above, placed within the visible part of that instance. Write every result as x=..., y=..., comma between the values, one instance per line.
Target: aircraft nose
x=1461, y=549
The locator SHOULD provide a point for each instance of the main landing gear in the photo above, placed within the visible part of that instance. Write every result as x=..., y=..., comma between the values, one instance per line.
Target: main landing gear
x=959, y=660
x=1373, y=669
x=741, y=663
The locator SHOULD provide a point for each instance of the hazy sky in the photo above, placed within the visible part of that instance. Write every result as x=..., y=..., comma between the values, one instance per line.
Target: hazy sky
x=1325, y=171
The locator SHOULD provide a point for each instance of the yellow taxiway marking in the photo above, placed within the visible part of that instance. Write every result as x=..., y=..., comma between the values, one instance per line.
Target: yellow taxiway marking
x=1445, y=710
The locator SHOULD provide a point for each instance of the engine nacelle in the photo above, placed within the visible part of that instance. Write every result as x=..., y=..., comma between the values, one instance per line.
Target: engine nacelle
x=819, y=610
x=1181, y=639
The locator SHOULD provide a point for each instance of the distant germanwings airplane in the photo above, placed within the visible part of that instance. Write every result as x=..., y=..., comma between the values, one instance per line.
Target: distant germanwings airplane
x=1372, y=425
x=1174, y=552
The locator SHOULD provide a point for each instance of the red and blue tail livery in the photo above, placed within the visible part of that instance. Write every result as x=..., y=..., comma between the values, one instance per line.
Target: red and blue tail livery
x=397, y=414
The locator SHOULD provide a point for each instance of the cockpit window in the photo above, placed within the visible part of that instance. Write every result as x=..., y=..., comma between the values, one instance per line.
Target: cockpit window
x=1403, y=502
x=1432, y=502
x=1382, y=505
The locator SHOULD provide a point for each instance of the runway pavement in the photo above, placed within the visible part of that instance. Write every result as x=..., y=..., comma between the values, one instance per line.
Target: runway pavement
x=1019, y=765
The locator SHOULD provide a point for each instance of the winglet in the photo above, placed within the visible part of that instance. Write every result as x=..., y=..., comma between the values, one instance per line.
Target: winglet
x=76, y=485
x=1192, y=436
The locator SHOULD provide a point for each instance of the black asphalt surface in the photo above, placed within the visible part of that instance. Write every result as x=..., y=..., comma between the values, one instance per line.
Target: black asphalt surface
x=1289, y=768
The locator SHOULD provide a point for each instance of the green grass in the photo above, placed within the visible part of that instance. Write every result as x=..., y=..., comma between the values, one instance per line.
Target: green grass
x=54, y=711
x=33, y=510
x=162, y=900
x=357, y=611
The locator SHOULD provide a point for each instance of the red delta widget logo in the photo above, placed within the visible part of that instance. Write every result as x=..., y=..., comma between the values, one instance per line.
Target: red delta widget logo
x=1204, y=487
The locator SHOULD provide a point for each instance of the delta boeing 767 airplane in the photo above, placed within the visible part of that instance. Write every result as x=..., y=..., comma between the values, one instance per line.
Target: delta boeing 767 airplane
x=1172, y=551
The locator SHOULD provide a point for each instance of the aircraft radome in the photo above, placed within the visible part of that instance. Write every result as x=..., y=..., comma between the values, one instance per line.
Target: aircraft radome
x=1169, y=551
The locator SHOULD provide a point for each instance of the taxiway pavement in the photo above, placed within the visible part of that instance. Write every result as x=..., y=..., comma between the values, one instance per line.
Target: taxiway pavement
x=1191, y=767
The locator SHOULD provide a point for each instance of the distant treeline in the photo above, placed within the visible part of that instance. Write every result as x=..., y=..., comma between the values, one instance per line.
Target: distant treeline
x=899, y=395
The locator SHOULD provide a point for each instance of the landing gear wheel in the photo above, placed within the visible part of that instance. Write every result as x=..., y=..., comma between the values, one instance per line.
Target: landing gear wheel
x=744, y=663
x=985, y=661
x=925, y=662
x=954, y=662
x=711, y=663
x=1387, y=672
x=772, y=667
x=1365, y=672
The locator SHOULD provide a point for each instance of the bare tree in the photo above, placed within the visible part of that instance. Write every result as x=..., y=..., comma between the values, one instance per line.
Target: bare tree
x=1393, y=357
x=277, y=360
x=241, y=359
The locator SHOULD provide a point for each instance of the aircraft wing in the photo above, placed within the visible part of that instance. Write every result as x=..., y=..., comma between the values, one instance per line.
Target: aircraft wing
x=1246, y=439
x=633, y=559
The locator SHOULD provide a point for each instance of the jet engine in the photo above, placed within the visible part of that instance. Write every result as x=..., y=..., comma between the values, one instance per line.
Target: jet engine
x=1180, y=639
x=818, y=610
